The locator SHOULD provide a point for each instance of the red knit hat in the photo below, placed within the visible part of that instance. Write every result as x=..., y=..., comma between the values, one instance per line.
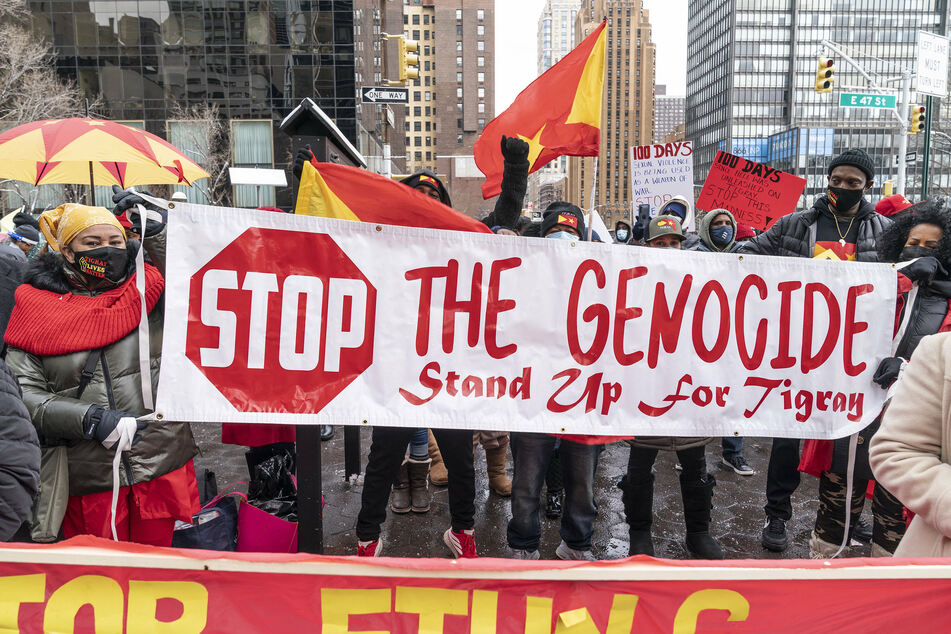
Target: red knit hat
x=744, y=231
x=892, y=205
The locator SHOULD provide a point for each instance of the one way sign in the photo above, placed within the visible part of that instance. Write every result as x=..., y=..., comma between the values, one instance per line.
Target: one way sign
x=377, y=94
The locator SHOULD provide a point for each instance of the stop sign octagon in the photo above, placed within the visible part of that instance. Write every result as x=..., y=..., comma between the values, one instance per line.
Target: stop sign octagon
x=280, y=321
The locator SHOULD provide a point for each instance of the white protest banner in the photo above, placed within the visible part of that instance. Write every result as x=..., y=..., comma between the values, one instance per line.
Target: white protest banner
x=659, y=172
x=274, y=318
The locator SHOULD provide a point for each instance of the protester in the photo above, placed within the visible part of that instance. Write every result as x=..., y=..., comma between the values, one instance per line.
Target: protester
x=678, y=207
x=622, y=232
x=73, y=343
x=532, y=453
x=426, y=182
x=717, y=232
x=19, y=457
x=744, y=232
x=891, y=205
x=25, y=237
x=841, y=226
x=696, y=485
x=909, y=454
x=920, y=235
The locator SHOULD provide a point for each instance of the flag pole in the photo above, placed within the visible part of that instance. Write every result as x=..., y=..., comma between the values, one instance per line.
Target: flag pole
x=594, y=189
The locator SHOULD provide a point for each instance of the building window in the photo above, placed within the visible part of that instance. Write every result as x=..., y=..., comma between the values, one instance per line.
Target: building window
x=481, y=108
x=481, y=92
x=459, y=123
x=417, y=96
x=480, y=62
x=458, y=29
x=188, y=137
x=253, y=147
x=417, y=111
x=429, y=156
x=480, y=45
x=480, y=13
x=428, y=95
x=459, y=61
x=459, y=139
x=459, y=108
x=458, y=14
x=459, y=77
x=418, y=156
x=426, y=19
x=418, y=141
x=458, y=93
x=480, y=30
x=481, y=123
x=416, y=34
x=458, y=45
x=415, y=18
x=480, y=76
x=417, y=126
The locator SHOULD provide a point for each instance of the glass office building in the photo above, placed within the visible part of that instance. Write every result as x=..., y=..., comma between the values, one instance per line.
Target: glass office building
x=751, y=75
x=256, y=59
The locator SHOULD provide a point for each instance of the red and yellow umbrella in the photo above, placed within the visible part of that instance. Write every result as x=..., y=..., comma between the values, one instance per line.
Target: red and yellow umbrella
x=92, y=151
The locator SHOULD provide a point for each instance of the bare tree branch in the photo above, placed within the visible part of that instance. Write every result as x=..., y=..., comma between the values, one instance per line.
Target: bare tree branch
x=207, y=142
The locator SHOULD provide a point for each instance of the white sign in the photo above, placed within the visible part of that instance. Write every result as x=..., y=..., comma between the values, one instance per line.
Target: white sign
x=932, y=64
x=659, y=172
x=277, y=318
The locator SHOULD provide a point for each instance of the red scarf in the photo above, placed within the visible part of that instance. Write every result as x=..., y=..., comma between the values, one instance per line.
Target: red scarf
x=46, y=323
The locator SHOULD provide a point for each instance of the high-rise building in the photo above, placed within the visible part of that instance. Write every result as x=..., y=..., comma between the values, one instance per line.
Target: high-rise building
x=465, y=97
x=668, y=113
x=148, y=60
x=751, y=72
x=419, y=24
x=627, y=108
x=556, y=37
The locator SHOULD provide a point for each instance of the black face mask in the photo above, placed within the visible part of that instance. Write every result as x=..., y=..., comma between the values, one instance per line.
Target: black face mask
x=842, y=199
x=105, y=264
x=916, y=251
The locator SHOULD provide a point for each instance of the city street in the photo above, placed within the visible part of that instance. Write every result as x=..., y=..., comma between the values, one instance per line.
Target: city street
x=737, y=506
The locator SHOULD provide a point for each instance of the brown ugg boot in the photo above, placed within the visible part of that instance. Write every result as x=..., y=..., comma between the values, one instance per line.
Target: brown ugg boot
x=437, y=470
x=400, y=496
x=495, y=467
x=418, y=484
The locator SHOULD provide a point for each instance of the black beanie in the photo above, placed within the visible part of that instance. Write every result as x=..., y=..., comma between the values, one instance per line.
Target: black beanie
x=855, y=158
x=563, y=213
x=426, y=177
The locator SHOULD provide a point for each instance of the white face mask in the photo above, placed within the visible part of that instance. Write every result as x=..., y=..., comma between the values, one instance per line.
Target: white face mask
x=562, y=235
x=621, y=235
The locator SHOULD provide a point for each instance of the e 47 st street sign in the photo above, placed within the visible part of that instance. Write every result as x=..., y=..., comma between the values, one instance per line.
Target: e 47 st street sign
x=381, y=94
x=865, y=100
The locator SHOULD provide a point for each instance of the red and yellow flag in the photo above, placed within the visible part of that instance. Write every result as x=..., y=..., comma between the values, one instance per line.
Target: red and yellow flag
x=348, y=193
x=558, y=114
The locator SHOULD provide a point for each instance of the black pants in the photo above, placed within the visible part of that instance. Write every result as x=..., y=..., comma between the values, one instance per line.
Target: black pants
x=782, y=477
x=387, y=450
x=641, y=459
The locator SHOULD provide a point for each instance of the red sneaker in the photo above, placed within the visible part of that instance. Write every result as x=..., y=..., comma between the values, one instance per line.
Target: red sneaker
x=461, y=543
x=369, y=548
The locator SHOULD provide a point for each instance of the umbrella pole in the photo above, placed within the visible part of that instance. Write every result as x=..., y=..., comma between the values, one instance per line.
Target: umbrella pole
x=92, y=187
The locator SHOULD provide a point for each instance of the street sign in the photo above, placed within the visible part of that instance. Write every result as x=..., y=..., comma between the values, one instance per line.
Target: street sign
x=379, y=94
x=866, y=100
x=932, y=64
x=911, y=157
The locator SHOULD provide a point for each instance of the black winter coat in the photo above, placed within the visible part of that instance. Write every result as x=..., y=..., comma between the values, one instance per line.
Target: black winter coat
x=795, y=235
x=19, y=457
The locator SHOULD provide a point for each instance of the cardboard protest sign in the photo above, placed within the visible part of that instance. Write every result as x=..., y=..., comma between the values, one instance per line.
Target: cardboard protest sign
x=753, y=192
x=659, y=172
x=278, y=318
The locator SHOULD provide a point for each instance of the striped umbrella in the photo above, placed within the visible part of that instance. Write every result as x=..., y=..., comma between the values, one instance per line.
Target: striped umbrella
x=91, y=151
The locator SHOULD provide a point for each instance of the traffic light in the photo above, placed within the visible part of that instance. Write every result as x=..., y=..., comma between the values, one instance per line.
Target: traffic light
x=408, y=59
x=825, y=75
x=916, y=120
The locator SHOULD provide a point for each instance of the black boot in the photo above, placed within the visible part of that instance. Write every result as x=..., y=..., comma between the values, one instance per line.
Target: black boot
x=638, y=500
x=698, y=501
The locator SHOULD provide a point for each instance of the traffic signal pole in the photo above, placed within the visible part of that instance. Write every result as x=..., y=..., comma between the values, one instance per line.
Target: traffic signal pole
x=926, y=159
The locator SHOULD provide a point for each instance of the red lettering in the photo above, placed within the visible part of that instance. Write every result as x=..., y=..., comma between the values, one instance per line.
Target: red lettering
x=624, y=313
x=596, y=312
x=430, y=382
x=750, y=361
x=809, y=361
x=425, y=275
x=710, y=355
x=590, y=392
x=665, y=326
x=671, y=399
x=451, y=306
x=852, y=328
x=782, y=359
x=494, y=306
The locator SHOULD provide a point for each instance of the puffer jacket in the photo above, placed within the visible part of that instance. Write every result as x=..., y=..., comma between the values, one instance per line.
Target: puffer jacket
x=795, y=235
x=50, y=384
x=668, y=443
x=19, y=457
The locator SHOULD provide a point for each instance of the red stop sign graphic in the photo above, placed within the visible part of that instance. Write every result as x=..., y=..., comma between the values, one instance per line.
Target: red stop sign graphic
x=280, y=321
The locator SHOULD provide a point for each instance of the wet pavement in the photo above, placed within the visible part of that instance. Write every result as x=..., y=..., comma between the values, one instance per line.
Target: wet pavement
x=737, y=513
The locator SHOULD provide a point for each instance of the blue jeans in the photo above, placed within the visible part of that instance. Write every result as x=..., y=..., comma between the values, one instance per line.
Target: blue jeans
x=419, y=444
x=532, y=455
x=732, y=446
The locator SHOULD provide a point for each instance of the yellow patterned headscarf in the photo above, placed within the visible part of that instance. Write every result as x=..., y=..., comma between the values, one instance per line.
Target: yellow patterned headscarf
x=62, y=224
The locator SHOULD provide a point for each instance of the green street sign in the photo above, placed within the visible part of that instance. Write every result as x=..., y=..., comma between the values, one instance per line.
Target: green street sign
x=864, y=100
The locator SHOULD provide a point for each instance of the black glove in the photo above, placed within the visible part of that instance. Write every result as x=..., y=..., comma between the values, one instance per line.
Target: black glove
x=126, y=201
x=888, y=369
x=100, y=424
x=304, y=155
x=514, y=150
x=923, y=270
